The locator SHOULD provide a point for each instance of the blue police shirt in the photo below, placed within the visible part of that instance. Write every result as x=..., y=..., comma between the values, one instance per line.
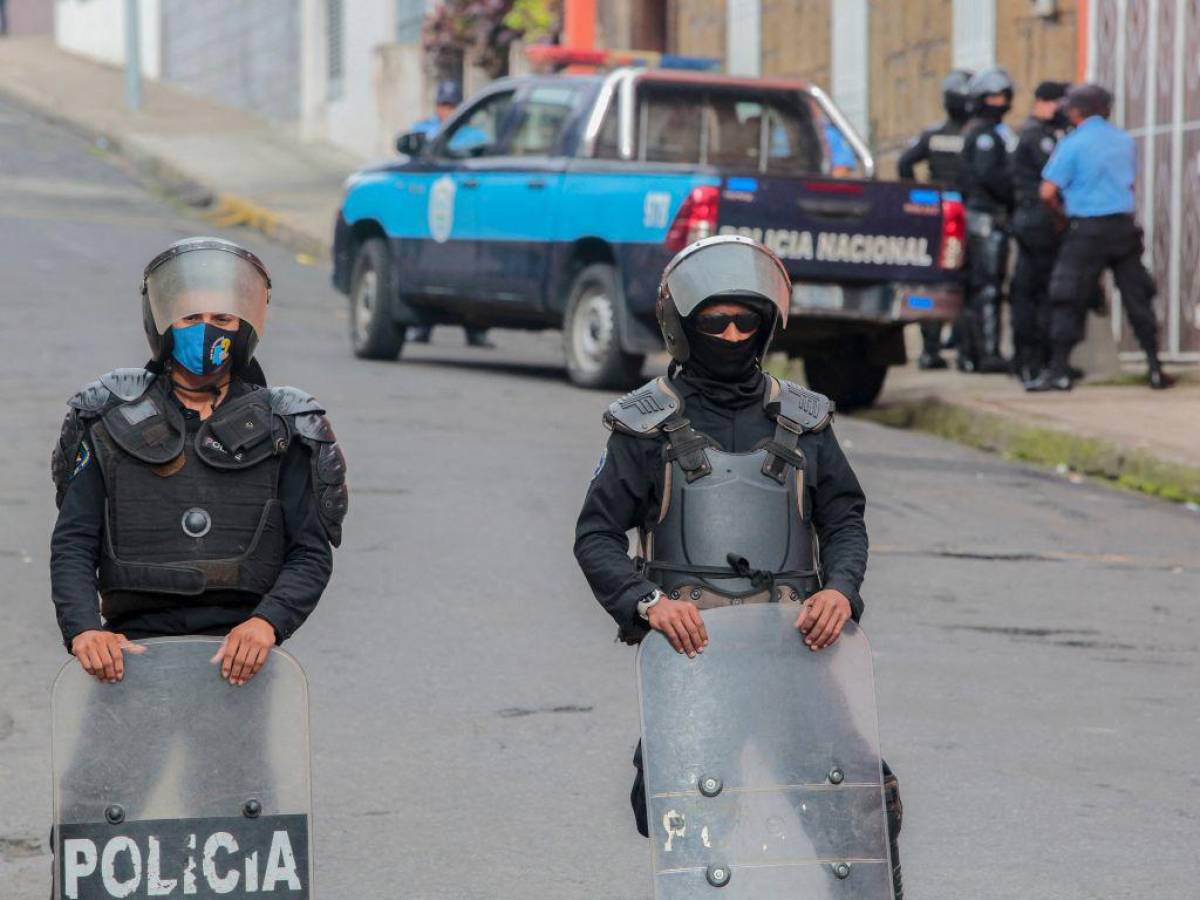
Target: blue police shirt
x=1094, y=166
x=466, y=138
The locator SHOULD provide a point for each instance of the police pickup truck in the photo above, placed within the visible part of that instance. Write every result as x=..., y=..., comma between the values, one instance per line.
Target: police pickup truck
x=555, y=202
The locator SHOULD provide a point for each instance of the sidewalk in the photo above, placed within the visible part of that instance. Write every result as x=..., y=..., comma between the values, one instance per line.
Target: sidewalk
x=258, y=174
x=1123, y=432
x=252, y=171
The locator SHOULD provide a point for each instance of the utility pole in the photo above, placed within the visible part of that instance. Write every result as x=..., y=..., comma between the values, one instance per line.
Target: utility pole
x=133, y=56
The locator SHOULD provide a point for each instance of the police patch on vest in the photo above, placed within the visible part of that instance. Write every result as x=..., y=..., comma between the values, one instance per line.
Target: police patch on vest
x=600, y=465
x=83, y=458
x=985, y=142
x=1047, y=144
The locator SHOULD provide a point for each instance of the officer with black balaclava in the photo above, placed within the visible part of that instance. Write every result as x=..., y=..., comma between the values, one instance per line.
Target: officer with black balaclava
x=988, y=188
x=940, y=147
x=1036, y=230
x=193, y=498
x=716, y=413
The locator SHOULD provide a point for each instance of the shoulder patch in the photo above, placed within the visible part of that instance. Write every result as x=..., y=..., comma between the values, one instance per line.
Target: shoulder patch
x=290, y=401
x=808, y=409
x=83, y=458
x=1047, y=145
x=643, y=411
x=985, y=141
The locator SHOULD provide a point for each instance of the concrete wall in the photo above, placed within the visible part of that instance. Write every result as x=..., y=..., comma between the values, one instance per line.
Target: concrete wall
x=96, y=29
x=245, y=55
x=795, y=39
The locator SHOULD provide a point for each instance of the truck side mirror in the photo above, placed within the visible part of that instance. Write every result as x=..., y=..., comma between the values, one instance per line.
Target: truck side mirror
x=411, y=143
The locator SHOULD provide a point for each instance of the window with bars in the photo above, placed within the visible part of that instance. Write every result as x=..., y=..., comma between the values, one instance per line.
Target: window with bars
x=335, y=16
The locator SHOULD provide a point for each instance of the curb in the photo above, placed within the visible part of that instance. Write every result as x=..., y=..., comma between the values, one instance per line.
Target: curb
x=1082, y=456
x=224, y=210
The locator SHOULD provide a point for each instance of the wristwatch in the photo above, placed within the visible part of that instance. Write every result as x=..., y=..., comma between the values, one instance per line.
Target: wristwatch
x=648, y=601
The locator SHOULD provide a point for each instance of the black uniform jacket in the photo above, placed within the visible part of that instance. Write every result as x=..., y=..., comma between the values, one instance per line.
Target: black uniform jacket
x=1034, y=222
x=987, y=177
x=75, y=554
x=626, y=492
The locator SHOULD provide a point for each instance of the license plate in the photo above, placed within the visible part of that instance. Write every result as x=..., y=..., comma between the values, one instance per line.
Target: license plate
x=228, y=857
x=818, y=296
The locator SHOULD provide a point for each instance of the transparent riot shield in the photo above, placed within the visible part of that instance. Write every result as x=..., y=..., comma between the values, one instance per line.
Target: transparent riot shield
x=762, y=766
x=172, y=782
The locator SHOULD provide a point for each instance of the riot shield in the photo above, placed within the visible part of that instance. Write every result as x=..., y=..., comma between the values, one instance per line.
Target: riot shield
x=173, y=782
x=762, y=766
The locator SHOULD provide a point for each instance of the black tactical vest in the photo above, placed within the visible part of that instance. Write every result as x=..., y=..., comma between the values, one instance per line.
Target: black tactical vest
x=733, y=527
x=945, y=153
x=190, y=511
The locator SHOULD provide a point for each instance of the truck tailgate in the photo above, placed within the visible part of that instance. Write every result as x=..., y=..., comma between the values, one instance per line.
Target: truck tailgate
x=839, y=230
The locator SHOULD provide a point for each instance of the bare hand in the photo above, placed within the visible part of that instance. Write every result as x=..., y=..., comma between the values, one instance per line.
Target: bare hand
x=100, y=653
x=680, y=623
x=244, y=650
x=823, y=617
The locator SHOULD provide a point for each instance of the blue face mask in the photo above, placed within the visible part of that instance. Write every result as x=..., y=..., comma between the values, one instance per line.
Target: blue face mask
x=202, y=348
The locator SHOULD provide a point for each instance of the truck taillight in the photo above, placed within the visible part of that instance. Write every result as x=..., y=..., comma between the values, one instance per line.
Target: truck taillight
x=954, y=233
x=696, y=219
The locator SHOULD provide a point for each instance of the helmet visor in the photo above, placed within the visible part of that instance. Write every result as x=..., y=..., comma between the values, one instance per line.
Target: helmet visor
x=729, y=269
x=207, y=280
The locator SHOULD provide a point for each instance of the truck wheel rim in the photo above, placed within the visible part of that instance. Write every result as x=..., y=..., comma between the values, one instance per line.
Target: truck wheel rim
x=364, y=305
x=592, y=333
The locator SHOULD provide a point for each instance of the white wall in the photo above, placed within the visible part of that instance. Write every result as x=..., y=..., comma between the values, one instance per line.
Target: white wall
x=974, y=29
x=851, y=75
x=743, y=37
x=96, y=29
x=352, y=120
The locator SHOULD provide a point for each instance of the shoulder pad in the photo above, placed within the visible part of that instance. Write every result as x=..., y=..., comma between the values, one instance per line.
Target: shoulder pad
x=642, y=412
x=290, y=401
x=119, y=385
x=808, y=409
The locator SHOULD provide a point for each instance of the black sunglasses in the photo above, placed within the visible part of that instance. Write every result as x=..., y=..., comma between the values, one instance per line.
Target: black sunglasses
x=715, y=323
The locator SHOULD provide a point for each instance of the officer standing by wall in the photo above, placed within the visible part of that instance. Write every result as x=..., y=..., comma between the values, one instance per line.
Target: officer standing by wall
x=193, y=498
x=987, y=182
x=720, y=303
x=1036, y=229
x=1093, y=169
x=940, y=147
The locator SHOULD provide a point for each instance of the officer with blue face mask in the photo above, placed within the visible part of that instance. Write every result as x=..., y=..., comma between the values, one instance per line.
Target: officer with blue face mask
x=193, y=499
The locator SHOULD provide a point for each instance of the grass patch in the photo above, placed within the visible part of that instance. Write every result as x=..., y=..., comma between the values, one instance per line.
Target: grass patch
x=1091, y=457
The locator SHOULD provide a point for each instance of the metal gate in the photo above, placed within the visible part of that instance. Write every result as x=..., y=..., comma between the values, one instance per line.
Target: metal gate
x=1145, y=51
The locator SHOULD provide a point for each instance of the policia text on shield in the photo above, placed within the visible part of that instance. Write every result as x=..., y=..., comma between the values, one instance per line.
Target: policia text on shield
x=737, y=487
x=194, y=500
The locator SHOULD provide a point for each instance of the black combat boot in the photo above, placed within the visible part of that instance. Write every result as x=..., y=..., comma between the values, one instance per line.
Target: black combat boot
x=990, y=359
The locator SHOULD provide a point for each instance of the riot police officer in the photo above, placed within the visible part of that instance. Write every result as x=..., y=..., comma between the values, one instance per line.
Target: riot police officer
x=1093, y=168
x=720, y=302
x=940, y=146
x=1035, y=228
x=987, y=182
x=193, y=498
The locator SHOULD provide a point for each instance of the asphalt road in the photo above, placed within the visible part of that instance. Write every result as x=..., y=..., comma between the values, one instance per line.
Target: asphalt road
x=1036, y=641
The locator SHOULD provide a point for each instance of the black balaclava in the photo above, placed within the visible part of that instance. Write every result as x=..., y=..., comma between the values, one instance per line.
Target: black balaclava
x=730, y=370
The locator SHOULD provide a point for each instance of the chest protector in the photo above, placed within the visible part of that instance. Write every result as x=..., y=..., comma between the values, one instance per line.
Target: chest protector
x=733, y=527
x=189, y=514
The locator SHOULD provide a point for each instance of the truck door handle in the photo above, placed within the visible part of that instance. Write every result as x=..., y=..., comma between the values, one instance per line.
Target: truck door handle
x=470, y=182
x=835, y=209
x=536, y=184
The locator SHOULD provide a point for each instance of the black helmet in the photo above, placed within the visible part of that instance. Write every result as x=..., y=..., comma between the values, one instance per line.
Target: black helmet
x=205, y=274
x=954, y=93
x=721, y=267
x=994, y=80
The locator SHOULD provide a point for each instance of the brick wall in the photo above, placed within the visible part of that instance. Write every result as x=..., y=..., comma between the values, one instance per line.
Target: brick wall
x=795, y=39
x=696, y=28
x=1035, y=49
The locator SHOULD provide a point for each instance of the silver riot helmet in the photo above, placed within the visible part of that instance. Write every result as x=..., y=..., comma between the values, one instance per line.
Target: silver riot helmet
x=205, y=274
x=954, y=93
x=993, y=80
x=725, y=266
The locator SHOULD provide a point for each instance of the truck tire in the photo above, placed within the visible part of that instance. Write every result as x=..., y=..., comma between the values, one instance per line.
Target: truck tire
x=590, y=340
x=846, y=377
x=373, y=333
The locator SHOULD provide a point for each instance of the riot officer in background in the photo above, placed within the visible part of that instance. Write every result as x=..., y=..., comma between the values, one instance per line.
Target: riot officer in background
x=193, y=498
x=940, y=146
x=699, y=460
x=988, y=187
x=1036, y=230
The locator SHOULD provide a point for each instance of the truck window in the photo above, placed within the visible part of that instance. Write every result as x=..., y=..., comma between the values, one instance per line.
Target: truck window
x=542, y=118
x=608, y=139
x=670, y=128
x=734, y=130
x=478, y=133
